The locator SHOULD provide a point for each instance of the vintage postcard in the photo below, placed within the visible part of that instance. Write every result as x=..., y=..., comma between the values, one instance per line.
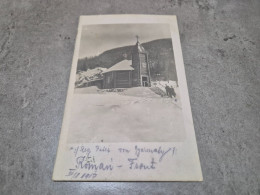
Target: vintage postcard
x=127, y=115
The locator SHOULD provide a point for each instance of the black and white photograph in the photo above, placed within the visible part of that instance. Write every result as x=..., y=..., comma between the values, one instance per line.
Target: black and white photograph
x=127, y=111
x=126, y=85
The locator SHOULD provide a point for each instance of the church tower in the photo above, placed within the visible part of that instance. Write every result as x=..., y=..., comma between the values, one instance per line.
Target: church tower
x=141, y=73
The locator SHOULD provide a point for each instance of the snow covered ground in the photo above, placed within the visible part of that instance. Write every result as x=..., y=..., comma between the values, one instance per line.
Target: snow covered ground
x=134, y=115
x=87, y=90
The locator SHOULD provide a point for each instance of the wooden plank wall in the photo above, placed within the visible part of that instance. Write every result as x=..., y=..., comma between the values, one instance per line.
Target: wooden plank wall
x=123, y=79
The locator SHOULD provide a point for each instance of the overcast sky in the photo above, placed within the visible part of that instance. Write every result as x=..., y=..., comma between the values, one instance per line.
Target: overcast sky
x=95, y=39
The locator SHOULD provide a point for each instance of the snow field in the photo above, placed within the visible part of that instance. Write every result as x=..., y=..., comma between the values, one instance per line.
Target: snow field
x=134, y=115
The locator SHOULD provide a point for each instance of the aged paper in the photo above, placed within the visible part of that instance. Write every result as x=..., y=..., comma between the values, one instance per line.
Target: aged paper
x=127, y=115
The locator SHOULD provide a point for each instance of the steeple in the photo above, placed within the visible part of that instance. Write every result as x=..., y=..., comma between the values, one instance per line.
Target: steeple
x=141, y=72
x=138, y=46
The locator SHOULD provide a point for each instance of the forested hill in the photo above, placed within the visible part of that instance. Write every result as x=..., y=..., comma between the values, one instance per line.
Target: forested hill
x=160, y=55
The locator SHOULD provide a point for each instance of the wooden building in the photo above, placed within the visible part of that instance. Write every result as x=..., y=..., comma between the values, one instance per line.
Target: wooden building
x=119, y=75
x=129, y=73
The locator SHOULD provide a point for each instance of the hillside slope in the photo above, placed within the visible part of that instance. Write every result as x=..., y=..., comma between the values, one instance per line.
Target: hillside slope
x=161, y=59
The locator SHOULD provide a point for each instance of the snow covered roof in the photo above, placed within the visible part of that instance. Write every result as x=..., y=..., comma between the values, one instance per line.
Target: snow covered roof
x=92, y=72
x=123, y=65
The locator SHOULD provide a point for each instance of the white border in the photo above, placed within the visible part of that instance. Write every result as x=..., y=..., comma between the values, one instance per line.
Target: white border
x=190, y=169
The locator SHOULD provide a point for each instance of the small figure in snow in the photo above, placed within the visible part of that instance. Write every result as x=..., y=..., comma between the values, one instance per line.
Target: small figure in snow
x=172, y=92
x=167, y=89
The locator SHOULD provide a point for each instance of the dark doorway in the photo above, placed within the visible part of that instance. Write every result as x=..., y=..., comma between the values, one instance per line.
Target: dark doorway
x=145, y=81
